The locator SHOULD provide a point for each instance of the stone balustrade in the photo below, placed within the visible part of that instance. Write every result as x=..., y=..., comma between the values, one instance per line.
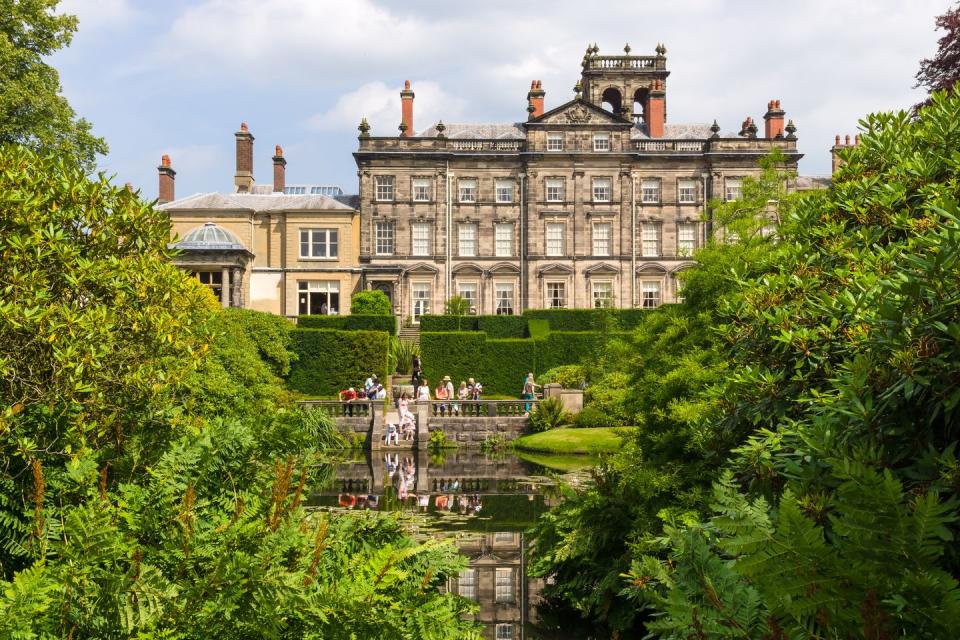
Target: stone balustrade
x=626, y=62
x=463, y=145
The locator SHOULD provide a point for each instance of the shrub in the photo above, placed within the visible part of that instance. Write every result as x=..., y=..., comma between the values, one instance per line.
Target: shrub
x=439, y=440
x=594, y=416
x=330, y=360
x=370, y=303
x=549, y=414
x=493, y=326
x=353, y=322
x=442, y=323
x=568, y=376
x=457, y=306
x=454, y=354
x=588, y=319
x=401, y=355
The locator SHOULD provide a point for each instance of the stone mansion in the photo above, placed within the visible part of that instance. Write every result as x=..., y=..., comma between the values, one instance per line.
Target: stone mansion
x=599, y=201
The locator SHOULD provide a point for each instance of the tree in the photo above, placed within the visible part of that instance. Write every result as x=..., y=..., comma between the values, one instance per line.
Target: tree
x=370, y=303
x=942, y=71
x=835, y=518
x=32, y=110
x=457, y=306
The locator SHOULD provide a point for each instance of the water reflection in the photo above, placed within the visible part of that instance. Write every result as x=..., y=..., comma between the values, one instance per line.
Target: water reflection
x=483, y=503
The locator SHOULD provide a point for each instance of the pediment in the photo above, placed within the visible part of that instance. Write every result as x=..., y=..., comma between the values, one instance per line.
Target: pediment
x=467, y=268
x=602, y=269
x=651, y=268
x=580, y=112
x=423, y=267
x=555, y=269
x=505, y=267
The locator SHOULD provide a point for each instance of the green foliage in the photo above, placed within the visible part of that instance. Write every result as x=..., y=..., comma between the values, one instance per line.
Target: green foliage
x=439, y=440
x=33, y=113
x=330, y=360
x=401, y=355
x=588, y=319
x=495, y=444
x=493, y=326
x=351, y=322
x=370, y=303
x=549, y=414
x=568, y=376
x=457, y=306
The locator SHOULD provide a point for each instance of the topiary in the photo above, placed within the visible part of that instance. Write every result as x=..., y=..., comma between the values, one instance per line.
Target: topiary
x=370, y=303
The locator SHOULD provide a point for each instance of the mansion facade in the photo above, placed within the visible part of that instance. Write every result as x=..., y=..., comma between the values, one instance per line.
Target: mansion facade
x=596, y=202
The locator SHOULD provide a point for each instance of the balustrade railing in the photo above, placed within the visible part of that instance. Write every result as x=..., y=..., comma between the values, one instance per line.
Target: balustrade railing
x=668, y=145
x=626, y=62
x=486, y=145
x=341, y=409
x=479, y=408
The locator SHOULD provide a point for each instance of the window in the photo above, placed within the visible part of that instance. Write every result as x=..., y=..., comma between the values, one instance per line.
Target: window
x=318, y=243
x=504, y=585
x=503, y=536
x=384, y=188
x=213, y=279
x=555, y=233
x=467, y=189
x=650, y=191
x=319, y=297
x=420, y=298
x=649, y=239
x=504, y=293
x=650, y=292
x=734, y=189
x=686, y=238
x=602, y=295
x=467, y=584
x=504, y=631
x=420, y=238
x=556, y=295
x=601, y=142
x=554, y=189
x=554, y=142
x=602, y=190
x=295, y=191
x=468, y=291
x=602, y=236
x=385, y=238
x=686, y=191
x=467, y=239
x=421, y=189
x=504, y=189
x=503, y=240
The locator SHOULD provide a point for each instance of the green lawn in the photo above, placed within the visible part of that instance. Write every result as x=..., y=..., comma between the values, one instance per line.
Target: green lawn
x=575, y=441
x=565, y=463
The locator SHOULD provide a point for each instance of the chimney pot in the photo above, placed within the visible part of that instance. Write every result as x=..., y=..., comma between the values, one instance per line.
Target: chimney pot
x=773, y=120
x=846, y=140
x=856, y=139
x=164, y=160
x=837, y=143
x=244, y=127
x=279, y=151
x=167, y=176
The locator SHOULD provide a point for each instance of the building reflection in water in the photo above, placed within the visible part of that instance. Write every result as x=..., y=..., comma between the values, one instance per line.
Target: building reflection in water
x=485, y=504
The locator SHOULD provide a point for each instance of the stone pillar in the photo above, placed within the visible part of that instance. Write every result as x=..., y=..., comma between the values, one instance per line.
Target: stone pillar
x=423, y=426
x=236, y=286
x=225, y=287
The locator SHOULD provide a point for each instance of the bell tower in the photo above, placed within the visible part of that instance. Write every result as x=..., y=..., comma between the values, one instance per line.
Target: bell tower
x=633, y=87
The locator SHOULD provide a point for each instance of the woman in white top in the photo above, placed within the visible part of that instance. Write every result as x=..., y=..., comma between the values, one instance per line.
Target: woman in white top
x=423, y=391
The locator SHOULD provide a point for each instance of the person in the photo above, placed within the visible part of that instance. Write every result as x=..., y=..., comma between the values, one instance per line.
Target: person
x=415, y=366
x=403, y=405
x=393, y=431
x=407, y=426
x=476, y=390
x=348, y=395
x=529, y=393
x=463, y=394
x=440, y=393
x=369, y=384
x=451, y=393
x=423, y=391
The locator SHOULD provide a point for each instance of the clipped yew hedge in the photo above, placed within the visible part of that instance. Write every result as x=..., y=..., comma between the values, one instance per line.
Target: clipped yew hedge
x=350, y=323
x=588, y=319
x=501, y=364
x=493, y=326
x=329, y=360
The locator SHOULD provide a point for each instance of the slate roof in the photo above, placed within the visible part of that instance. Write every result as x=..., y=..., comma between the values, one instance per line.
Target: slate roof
x=809, y=183
x=679, y=132
x=481, y=130
x=255, y=202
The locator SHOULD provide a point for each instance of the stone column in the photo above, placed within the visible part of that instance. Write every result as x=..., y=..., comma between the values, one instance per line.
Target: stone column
x=225, y=287
x=236, y=286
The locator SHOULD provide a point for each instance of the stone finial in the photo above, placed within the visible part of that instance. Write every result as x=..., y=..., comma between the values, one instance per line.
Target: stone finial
x=661, y=50
x=440, y=129
x=752, y=129
x=791, y=130
x=364, y=128
x=715, y=129
x=578, y=88
x=403, y=128
x=626, y=48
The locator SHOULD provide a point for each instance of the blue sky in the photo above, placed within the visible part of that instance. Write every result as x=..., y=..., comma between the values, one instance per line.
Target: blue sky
x=179, y=76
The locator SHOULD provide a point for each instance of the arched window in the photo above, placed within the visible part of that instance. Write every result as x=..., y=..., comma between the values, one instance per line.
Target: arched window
x=640, y=97
x=612, y=99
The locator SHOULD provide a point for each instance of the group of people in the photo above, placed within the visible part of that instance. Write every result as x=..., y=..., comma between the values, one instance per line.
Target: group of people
x=450, y=397
x=372, y=389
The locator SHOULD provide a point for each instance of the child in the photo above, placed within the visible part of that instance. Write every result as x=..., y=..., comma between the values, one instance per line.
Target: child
x=392, y=432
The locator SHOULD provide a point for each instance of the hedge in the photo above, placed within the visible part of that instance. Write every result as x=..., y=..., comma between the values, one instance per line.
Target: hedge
x=588, y=319
x=502, y=364
x=493, y=326
x=350, y=323
x=330, y=360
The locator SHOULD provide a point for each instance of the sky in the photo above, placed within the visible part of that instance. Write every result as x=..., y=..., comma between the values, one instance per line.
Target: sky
x=178, y=77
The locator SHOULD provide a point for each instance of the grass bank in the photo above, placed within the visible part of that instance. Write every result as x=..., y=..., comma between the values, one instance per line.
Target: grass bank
x=573, y=441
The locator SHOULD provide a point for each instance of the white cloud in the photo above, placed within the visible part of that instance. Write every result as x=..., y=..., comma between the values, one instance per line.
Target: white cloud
x=96, y=15
x=380, y=105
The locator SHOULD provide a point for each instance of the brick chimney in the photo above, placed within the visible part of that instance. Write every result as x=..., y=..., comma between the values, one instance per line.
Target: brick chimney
x=279, y=171
x=836, y=160
x=773, y=120
x=243, y=180
x=167, y=177
x=406, y=116
x=656, y=110
x=535, y=99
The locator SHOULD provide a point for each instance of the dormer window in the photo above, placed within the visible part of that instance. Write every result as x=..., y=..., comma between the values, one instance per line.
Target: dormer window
x=601, y=142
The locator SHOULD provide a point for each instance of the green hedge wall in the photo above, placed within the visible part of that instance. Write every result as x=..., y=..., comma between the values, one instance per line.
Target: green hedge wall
x=493, y=326
x=588, y=319
x=350, y=323
x=330, y=360
x=502, y=364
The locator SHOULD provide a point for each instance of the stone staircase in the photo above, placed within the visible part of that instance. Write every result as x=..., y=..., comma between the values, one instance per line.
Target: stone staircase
x=410, y=334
